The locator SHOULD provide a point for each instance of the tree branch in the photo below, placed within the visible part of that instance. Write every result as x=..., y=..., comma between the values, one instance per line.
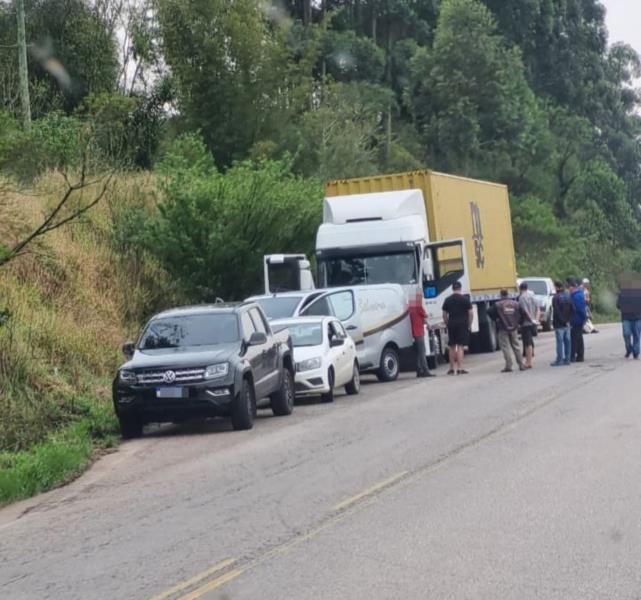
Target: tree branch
x=50, y=222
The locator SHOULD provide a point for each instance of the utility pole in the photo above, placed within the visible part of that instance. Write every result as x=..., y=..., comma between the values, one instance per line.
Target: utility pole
x=22, y=67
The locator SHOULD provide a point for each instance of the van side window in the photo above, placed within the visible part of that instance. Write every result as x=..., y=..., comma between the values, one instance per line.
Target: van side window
x=342, y=304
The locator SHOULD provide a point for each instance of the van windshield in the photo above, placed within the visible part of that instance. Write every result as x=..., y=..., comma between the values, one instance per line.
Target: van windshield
x=359, y=270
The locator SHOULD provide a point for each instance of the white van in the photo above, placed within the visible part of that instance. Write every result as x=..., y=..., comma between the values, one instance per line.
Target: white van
x=375, y=316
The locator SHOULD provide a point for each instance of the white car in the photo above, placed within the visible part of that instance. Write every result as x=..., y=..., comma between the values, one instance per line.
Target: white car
x=325, y=356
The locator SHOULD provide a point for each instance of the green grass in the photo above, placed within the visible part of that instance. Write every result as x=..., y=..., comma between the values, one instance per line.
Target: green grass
x=62, y=456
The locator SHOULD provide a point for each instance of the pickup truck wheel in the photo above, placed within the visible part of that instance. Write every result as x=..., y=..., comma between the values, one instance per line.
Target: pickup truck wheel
x=329, y=396
x=243, y=407
x=547, y=325
x=389, y=365
x=130, y=426
x=282, y=401
x=354, y=386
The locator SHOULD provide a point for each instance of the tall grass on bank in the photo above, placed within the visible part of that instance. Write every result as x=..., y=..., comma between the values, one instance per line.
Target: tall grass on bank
x=66, y=308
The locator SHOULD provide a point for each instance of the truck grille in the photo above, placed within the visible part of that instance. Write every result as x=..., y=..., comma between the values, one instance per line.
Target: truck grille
x=181, y=376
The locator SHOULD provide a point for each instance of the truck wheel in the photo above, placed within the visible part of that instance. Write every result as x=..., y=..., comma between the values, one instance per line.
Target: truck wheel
x=329, y=396
x=282, y=401
x=354, y=386
x=130, y=426
x=389, y=365
x=547, y=325
x=243, y=407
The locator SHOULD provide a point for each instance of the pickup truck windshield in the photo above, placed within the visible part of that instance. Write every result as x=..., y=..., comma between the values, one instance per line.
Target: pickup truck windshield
x=358, y=270
x=306, y=334
x=279, y=307
x=192, y=330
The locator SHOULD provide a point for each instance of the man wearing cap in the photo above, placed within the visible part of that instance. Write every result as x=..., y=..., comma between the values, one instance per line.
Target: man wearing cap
x=507, y=316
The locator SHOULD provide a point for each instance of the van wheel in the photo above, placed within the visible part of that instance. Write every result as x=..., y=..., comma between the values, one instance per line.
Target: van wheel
x=329, y=396
x=389, y=365
x=282, y=401
x=354, y=386
x=244, y=407
x=130, y=426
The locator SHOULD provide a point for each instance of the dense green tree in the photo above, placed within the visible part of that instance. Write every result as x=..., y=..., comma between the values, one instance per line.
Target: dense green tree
x=212, y=229
x=233, y=71
x=470, y=99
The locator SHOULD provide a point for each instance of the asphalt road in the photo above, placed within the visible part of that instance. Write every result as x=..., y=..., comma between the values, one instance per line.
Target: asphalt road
x=484, y=486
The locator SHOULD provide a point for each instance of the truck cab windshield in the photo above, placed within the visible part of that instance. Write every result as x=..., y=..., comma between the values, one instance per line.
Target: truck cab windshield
x=192, y=330
x=359, y=270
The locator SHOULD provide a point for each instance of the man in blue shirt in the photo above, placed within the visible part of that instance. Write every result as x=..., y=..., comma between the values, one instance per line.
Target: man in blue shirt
x=578, y=320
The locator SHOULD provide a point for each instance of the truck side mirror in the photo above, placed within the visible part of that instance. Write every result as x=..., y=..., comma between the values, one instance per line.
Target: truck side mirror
x=128, y=349
x=257, y=338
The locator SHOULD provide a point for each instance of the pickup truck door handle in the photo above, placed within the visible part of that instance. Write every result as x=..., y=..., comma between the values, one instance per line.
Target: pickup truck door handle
x=350, y=327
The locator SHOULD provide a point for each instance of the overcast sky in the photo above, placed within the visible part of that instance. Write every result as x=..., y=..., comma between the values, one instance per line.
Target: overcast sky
x=624, y=21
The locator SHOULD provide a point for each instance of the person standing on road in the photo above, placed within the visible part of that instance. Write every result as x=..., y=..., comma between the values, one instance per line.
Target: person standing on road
x=562, y=313
x=418, y=319
x=578, y=321
x=630, y=306
x=506, y=313
x=529, y=322
x=457, y=314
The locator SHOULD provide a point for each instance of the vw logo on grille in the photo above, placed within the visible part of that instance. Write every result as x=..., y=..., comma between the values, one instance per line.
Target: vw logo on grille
x=169, y=376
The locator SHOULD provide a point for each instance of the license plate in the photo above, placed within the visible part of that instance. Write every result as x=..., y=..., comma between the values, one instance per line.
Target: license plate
x=171, y=392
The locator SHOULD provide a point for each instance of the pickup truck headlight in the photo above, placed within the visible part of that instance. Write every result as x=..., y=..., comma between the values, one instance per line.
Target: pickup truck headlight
x=214, y=371
x=309, y=364
x=127, y=377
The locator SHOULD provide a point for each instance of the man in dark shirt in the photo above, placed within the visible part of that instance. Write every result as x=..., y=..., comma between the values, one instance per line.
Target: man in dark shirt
x=418, y=319
x=457, y=314
x=507, y=315
x=629, y=303
x=562, y=313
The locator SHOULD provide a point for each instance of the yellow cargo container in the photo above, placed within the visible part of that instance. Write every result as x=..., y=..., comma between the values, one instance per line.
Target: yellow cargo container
x=457, y=207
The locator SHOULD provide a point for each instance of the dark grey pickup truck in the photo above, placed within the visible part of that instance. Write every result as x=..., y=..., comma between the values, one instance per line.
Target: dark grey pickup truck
x=205, y=361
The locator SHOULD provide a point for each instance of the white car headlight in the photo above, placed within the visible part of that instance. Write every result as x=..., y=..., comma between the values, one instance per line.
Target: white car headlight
x=127, y=377
x=219, y=370
x=309, y=364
